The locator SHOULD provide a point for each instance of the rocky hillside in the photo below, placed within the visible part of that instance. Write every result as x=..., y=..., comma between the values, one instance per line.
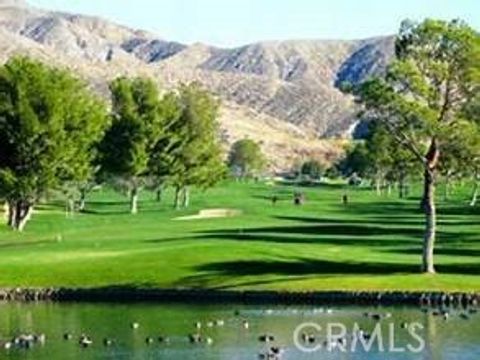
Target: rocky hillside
x=286, y=89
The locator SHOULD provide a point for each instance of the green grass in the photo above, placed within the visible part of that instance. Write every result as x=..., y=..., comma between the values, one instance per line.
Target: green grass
x=372, y=244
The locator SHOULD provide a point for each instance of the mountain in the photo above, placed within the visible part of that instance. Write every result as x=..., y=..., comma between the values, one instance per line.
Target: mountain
x=283, y=94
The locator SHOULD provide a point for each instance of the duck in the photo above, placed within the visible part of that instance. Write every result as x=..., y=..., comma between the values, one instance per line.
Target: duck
x=149, y=340
x=107, y=342
x=163, y=339
x=269, y=355
x=330, y=344
x=308, y=338
x=39, y=338
x=276, y=350
x=363, y=334
x=67, y=336
x=378, y=316
x=24, y=341
x=85, y=341
x=194, y=338
x=266, y=338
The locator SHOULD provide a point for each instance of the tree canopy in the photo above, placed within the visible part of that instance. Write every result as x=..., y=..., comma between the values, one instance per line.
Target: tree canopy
x=421, y=99
x=49, y=125
x=190, y=153
x=137, y=124
x=245, y=158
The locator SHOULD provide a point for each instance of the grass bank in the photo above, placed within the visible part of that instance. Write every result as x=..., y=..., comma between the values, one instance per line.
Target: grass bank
x=373, y=244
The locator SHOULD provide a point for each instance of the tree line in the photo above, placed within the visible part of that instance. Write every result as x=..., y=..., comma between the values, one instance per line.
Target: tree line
x=56, y=135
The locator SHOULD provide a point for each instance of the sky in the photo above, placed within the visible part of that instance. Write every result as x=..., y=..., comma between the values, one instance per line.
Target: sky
x=232, y=23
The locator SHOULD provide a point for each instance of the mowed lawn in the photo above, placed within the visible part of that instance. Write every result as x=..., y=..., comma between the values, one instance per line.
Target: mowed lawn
x=374, y=243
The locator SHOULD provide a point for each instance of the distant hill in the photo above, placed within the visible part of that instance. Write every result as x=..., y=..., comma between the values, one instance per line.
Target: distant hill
x=282, y=93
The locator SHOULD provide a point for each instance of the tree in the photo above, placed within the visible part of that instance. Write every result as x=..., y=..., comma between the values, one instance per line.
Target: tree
x=471, y=111
x=49, y=124
x=435, y=72
x=246, y=158
x=189, y=154
x=137, y=124
x=379, y=153
x=161, y=160
x=386, y=160
x=314, y=169
x=356, y=161
x=458, y=155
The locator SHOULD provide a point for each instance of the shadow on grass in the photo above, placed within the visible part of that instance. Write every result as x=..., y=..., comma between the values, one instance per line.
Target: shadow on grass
x=309, y=185
x=332, y=231
x=448, y=251
x=416, y=221
x=383, y=208
x=125, y=211
x=464, y=210
x=312, y=267
x=328, y=228
x=20, y=244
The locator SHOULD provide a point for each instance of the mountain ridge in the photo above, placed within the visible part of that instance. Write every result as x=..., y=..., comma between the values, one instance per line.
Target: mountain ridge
x=287, y=87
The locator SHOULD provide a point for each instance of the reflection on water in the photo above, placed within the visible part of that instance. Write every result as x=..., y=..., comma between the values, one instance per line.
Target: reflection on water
x=456, y=338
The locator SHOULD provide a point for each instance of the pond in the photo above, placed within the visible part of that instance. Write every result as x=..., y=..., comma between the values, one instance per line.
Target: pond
x=130, y=326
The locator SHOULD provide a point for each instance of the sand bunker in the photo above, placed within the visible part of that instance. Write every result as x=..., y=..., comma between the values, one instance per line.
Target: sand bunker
x=211, y=214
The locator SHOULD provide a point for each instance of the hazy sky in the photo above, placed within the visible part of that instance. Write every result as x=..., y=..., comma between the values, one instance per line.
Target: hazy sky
x=228, y=23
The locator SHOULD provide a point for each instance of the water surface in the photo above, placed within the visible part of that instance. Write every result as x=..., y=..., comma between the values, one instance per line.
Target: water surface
x=456, y=338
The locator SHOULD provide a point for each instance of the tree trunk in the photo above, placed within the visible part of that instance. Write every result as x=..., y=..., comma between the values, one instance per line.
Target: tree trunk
x=428, y=204
x=378, y=185
x=82, y=201
x=11, y=207
x=389, y=188
x=134, y=200
x=26, y=215
x=186, y=197
x=401, y=185
x=176, y=203
x=473, y=200
x=21, y=212
x=6, y=211
x=69, y=208
x=159, y=194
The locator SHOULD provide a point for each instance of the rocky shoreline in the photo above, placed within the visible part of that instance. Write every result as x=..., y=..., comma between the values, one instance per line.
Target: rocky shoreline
x=132, y=294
